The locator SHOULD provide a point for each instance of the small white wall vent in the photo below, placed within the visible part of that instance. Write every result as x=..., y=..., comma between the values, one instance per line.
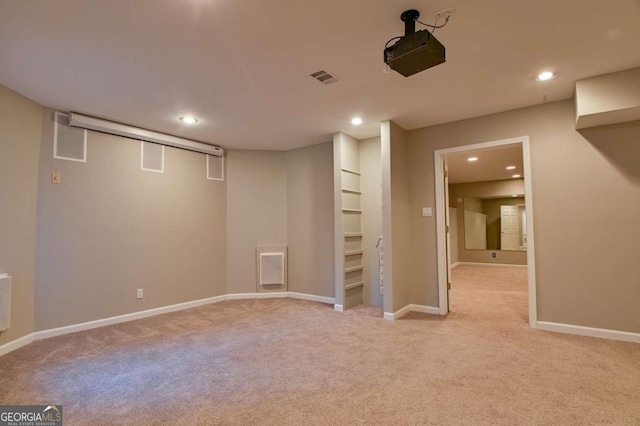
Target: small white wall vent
x=151, y=157
x=272, y=268
x=324, y=77
x=69, y=143
x=215, y=167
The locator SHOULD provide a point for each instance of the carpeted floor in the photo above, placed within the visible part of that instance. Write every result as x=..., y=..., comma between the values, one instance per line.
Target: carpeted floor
x=291, y=362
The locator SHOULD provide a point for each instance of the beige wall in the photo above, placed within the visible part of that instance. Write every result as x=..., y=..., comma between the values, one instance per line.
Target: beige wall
x=20, y=127
x=110, y=228
x=256, y=212
x=371, y=187
x=586, y=251
x=310, y=219
x=485, y=189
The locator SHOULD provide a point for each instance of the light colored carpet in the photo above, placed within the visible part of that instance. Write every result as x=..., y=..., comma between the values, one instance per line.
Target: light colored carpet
x=284, y=361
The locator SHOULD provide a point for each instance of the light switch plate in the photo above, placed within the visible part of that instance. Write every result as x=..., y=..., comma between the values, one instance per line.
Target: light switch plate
x=55, y=177
x=427, y=211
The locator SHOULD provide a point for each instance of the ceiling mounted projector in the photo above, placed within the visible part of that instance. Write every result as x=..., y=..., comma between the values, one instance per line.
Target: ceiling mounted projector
x=416, y=50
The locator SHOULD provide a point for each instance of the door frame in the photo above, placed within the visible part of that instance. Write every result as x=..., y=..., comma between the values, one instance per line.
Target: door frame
x=441, y=236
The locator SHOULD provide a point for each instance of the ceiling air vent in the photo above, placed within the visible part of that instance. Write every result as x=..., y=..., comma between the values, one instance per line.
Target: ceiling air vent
x=324, y=77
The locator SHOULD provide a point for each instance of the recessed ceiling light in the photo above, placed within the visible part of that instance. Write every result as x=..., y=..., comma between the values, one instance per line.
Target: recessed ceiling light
x=515, y=176
x=545, y=75
x=514, y=195
x=356, y=121
x=511, y=167
x=472, y=159
x=188, y=119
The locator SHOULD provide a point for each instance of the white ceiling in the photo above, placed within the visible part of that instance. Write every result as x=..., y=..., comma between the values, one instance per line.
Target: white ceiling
x=242, y=66
x=491, y=164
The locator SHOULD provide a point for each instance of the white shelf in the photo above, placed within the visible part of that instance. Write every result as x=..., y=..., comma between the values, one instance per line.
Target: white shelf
x=351, y=191
x=355, y=285
x=353, y=235
x=353, y=172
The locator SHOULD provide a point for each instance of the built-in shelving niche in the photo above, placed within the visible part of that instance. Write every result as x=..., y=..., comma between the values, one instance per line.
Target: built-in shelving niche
x=353, y=274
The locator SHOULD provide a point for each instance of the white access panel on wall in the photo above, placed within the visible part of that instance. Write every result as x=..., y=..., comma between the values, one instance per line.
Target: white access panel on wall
x=271, y=268
x=69, y=143
x=151, y=157
x=215, y=167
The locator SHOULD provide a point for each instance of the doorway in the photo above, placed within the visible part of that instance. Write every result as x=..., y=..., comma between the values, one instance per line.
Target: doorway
x=523, y=210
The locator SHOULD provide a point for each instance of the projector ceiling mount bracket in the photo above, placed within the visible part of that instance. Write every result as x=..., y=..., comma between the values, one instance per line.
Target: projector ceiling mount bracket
x=409, y=17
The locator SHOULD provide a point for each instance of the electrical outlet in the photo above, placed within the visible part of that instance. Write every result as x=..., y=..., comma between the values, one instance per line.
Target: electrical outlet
x=55, y=177
x=139, y=293
x=445, y=14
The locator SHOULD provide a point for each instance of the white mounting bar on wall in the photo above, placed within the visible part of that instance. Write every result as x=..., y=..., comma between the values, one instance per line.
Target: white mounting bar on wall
x=105, y=126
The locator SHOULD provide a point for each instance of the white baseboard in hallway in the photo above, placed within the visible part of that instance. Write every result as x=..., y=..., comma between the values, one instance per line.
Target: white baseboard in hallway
x=498, y=265
x=602, y=333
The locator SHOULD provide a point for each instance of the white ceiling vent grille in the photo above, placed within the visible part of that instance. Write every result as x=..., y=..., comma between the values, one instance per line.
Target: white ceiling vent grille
x=324, y=77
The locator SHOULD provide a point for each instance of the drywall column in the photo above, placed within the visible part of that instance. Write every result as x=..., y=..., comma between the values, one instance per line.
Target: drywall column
x=395, y=219
x=348, y=223
x=20, y=123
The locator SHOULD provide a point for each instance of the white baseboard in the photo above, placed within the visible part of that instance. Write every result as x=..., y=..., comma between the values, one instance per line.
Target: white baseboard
x=425, y=309
x=455, y=265
x=602, y=333
x=338, y=308
x=17, y=344
x=411, y=308
x=45, y=334
x=273, y=295
x=240, y=296
x=499, y=265
x=312, y=297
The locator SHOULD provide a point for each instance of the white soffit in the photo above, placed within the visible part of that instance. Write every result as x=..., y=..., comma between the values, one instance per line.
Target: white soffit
x=608, y=99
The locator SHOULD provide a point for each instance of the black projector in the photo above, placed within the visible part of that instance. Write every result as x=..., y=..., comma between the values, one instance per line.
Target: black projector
x=414, y=52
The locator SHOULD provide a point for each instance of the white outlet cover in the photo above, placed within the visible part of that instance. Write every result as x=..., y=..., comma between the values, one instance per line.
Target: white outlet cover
x=427, y=211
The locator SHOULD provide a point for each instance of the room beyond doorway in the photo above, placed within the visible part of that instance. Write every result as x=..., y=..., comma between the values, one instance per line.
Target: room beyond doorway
x=524, y=253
